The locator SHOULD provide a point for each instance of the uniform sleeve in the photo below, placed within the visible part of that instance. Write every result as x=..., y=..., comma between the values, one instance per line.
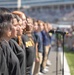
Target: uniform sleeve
x=20, y=53
x=37, y=39
x=23, y=39
x=2, y=62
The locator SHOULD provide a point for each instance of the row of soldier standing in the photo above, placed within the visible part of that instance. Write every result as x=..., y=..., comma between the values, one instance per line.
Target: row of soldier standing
x=24, y=44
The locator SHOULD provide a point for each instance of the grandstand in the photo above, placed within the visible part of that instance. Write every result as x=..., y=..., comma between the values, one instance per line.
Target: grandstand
x=46, y=10
x=32, y=3
x=46, y=2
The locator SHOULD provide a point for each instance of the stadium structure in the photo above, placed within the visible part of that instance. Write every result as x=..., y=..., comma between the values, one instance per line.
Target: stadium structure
x=46, y=10
x=33, y=3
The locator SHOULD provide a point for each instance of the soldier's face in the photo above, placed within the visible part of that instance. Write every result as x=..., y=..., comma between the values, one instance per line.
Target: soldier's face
x=15, y=28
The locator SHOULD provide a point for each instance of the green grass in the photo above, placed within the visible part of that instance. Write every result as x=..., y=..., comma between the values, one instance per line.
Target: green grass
x=70, y=59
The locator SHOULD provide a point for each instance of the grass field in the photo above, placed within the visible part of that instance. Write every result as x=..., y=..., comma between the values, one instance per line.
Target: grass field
x=70, y=59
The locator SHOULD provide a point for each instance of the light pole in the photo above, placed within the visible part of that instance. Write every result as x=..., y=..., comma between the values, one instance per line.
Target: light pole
x=18, y=4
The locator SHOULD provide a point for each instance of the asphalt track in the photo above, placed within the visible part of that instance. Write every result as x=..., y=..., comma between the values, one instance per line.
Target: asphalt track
x=52, y=58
